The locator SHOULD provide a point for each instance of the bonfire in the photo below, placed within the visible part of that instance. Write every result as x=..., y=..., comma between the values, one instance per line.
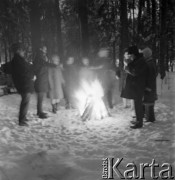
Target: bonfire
x=90, y=101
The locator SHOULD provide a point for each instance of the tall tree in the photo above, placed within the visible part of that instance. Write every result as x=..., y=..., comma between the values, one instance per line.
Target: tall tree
x=35, y=24
x=58, y=24
x=140, y=8
x=154, y=31
x=123, y=29
x=163, y=10
x=83, y=17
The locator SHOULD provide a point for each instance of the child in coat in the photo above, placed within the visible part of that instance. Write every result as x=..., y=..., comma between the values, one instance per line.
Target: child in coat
x=55, y=83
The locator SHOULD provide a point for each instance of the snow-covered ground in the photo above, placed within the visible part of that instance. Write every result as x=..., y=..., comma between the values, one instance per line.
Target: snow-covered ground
x=63, y=147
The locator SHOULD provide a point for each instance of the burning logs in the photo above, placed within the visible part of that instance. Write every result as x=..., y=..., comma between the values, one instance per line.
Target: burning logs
x=90, y=101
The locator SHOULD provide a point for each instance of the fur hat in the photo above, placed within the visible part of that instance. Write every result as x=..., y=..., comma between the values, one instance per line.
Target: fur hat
x=147, y=52
x=133, y=50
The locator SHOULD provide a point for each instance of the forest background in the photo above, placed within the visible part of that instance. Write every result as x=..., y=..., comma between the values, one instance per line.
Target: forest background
x=81, y=27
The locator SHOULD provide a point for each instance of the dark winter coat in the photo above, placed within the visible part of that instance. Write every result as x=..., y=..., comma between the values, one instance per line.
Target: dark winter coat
x=135, y=79
x=41, y=65
x=150, y=94
x=22, y=75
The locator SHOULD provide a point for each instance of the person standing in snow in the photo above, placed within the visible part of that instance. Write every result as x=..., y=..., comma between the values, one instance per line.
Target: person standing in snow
x=71, y=77
x=56, y=82
x=121, y=75
x=150, y=94
x=23, y=78
x=41, y=65
x=104, y=70
x=136, y=69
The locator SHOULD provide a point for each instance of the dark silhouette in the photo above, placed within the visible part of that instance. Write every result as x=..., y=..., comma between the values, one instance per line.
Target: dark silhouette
x=136, y=70
x=22, y=76
x=150, y=94
x=41, y=64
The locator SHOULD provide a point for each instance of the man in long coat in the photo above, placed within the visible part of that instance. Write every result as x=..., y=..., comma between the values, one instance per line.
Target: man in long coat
x=23, y=77
x=136, y=69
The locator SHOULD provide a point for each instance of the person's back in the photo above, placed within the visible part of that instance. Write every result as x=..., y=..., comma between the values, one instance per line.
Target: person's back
x=39, y=64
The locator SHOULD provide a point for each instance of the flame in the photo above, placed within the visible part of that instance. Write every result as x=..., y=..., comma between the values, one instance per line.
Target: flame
x=91, y=93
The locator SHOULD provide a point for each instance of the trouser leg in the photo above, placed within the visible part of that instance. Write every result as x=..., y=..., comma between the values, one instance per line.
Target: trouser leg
x=138, y=110
x=150, y=116
x=24, y=106
x=66, y=91
x=40, y=98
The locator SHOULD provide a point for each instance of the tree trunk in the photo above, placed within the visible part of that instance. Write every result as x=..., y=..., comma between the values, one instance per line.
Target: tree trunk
x=114, y=16
x=9, y=40
x=114, y=51
x=167, y=59
x=0, y=58
x=123, y=29
x=35, y=24
x=154, y=27
x=162, y=52
x=59, y=33
x=139, y=26
x=133, y=24
x=83, y=17
x=148, y=7
x=5, y=51
x=49, y=26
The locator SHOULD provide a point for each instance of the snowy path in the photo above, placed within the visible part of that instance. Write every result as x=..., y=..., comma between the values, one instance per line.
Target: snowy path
x=62, y=147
